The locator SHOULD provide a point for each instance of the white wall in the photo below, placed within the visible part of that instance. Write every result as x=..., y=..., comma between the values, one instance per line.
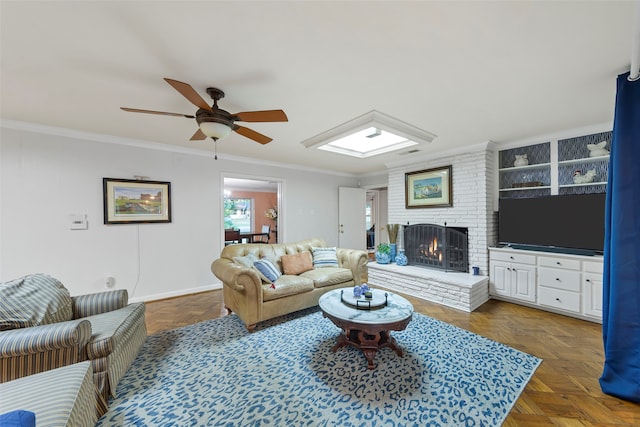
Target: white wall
x=473, y=176
x=45, y=177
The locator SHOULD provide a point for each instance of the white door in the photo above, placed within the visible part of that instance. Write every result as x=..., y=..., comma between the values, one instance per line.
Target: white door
x=352, y=232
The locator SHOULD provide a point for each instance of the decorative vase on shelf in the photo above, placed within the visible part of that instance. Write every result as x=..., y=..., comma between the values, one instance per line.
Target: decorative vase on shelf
x=383, y=254
x=521, y=160
x=394, y=248
x=382, y=258
x=401, y=258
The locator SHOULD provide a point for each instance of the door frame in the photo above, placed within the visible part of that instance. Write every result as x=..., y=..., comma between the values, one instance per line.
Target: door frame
x=280, y=184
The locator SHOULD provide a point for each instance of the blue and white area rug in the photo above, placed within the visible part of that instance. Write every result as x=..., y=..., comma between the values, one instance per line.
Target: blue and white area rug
x=215, y=373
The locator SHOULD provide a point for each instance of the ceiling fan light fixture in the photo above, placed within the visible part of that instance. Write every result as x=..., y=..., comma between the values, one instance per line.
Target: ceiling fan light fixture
x=215, y=130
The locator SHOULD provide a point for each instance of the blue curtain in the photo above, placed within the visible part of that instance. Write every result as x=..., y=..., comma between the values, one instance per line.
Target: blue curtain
x=621, y=294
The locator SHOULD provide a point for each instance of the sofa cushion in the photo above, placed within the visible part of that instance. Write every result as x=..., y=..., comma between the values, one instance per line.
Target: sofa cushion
x=324, y=257
x=286, y=285
x=268, y=270
x=110, y=329
x=33, y=300
x=328, y=276
x=296, y=263
x=246, y=260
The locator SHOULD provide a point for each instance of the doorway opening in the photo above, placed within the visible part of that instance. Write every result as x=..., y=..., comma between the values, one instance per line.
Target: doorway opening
x=252, y=206
x=376, y=217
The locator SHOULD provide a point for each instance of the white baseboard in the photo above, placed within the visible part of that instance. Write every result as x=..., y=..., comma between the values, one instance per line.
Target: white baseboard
x=173, y=294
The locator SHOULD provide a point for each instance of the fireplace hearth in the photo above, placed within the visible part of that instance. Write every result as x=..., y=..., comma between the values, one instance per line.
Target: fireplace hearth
x=438, y=247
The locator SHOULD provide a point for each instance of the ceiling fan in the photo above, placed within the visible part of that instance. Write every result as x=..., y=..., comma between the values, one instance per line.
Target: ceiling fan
x=215, y=122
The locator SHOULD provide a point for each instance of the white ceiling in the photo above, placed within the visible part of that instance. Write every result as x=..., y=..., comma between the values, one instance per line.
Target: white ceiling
x=468, y=72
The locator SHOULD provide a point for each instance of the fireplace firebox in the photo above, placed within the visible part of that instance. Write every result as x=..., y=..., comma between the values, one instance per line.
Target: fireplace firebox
x=435, y=246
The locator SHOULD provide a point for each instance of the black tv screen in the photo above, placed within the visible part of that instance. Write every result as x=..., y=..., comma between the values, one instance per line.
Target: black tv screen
x=567, y=223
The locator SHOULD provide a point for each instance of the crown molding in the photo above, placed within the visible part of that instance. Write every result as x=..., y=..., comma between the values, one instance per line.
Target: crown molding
x=150, y=145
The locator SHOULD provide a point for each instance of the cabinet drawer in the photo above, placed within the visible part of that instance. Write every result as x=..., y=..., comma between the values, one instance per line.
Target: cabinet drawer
x=568, y=280
x=593, y=267
x=559, y=298
x=572, y=264
x=513, y=257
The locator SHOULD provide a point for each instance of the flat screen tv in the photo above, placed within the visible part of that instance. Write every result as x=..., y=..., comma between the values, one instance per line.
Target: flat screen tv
x=566, y=223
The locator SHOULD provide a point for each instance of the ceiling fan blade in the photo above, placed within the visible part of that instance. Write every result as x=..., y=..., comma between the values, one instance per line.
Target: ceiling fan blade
x=262, y=116
x=198, y=136
x=188, y=92
x=161, y=113
x=252, y=134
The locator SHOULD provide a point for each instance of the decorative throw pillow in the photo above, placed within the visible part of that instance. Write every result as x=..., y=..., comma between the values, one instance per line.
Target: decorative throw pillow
x=324, y=257
x=267, y=269
x=296, y=263
x=246, y=260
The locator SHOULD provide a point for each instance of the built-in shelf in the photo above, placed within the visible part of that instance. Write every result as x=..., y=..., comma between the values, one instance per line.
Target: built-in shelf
x=552, y=167
x=583, y=185
x=521, y=168
x=544, y=187
x=583, y=160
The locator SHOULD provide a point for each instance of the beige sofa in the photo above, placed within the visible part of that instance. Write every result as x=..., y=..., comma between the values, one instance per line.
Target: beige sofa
x=254, y=298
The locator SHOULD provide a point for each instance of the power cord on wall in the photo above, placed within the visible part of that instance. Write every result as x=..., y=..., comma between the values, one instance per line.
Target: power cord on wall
x=135, y=286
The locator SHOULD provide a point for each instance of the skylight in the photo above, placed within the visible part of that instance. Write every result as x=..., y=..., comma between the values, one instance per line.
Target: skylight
x=369, y=135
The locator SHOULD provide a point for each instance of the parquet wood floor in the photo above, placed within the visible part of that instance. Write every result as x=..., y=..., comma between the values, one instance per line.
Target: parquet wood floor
x=564, y=391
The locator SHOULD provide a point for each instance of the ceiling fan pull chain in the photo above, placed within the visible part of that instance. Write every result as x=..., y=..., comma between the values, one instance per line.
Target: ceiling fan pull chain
x=215, y=144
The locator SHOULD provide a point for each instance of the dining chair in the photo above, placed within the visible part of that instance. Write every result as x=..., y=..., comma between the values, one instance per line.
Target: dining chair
x=263, y=237
x=231, y=236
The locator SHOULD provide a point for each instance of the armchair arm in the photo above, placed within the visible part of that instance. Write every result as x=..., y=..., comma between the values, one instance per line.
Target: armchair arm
x=98, y=303
x=235, y=275
x=36, y=339
x=356, y=260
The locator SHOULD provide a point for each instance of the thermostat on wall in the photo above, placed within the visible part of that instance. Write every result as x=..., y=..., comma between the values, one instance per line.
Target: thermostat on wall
x=78, y=222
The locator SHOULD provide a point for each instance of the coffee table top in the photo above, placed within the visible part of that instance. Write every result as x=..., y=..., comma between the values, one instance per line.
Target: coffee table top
x=397, y=309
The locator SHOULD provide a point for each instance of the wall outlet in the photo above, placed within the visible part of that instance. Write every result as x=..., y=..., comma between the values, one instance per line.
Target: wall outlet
x=109, y=282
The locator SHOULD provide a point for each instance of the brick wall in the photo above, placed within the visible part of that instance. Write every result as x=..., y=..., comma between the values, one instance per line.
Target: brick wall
x=473, y=175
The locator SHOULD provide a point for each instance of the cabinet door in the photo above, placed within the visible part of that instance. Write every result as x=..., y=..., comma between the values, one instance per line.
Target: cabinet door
x=499, y=278
x=523, y=282
x=592, y=295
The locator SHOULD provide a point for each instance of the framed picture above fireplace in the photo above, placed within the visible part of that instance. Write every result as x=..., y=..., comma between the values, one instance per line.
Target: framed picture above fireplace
x=430, y=188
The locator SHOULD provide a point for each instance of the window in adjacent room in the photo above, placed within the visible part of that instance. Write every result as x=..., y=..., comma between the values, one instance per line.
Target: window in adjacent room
x=237, y=214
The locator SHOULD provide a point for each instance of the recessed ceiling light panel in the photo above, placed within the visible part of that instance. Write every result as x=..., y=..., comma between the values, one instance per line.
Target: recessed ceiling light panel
x=369, y=135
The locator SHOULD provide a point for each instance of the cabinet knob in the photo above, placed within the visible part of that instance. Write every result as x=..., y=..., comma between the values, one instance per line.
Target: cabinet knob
x=558, y=263
x=558, y=299
x=510, y=257
x=557, y=279
x=588, y=280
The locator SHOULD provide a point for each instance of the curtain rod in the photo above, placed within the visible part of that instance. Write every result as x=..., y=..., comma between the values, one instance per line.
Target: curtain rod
x=634, y=73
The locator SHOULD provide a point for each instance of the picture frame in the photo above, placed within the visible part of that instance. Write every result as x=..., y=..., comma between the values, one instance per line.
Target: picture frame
x=130, y=201
x=429, y=188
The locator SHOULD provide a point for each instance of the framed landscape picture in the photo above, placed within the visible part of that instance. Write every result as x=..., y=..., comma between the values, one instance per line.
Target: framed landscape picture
x=429, y=188
x=129, y=201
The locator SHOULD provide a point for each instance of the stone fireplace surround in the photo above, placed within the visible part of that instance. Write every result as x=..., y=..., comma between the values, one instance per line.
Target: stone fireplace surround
x=463, y=291
x=473, y=179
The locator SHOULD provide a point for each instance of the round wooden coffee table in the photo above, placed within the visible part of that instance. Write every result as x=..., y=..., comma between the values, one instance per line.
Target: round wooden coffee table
x=363, y=327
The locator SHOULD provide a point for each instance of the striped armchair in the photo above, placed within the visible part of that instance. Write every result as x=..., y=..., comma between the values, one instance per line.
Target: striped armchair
x=43, y=328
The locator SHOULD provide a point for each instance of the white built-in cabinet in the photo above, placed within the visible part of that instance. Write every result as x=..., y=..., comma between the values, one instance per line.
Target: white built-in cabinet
x=561, y=283
x=513, y=275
